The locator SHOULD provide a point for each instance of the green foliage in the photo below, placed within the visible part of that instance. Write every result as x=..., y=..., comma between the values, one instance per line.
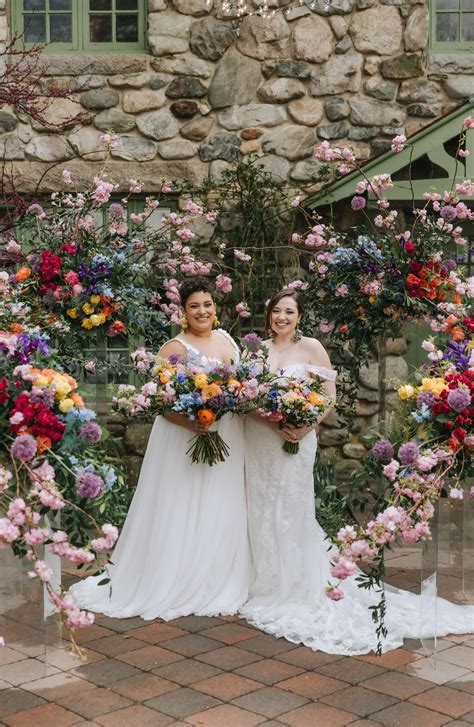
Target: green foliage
x=332, y=510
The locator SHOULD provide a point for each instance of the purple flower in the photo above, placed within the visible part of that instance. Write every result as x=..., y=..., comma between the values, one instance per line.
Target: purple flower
x=89, y=485
x=448, y=213
x=382, y=450
x=425, y=397
x=358, y=203
x=42, y=396
x=408, y=453
x=24, y=447
x=459, y=399
x=91, y=432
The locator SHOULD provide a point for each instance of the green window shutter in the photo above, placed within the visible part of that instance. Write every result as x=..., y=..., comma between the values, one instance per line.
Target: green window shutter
x=81, y=25
x=451, y=26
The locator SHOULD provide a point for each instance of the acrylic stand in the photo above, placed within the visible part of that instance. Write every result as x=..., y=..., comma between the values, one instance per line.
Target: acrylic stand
x=447, y=566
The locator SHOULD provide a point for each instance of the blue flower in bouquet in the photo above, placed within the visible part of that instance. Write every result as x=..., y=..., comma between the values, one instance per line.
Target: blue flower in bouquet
x=424, y=413
x=109, y=475
x=345, y=256
x=369, y=247
x=82, y=415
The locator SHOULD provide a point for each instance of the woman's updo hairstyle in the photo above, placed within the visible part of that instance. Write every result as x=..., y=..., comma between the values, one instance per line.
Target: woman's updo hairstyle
x=195, y=285
x=275, y=299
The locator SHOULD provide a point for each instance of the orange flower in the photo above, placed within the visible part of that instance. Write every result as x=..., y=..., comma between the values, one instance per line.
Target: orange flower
x=343, y=328
x=23, y=274
x=210, y=390
x=454, y=444
x=206, y=416
x=457, y=334
x=457, y=299
x=164, y=378
x=43, y=443
x=451, y=320
x=116, y=328
x=315, y=399
x=412, y=279
x=77, y=399
x=52, y=318
x=16, y=328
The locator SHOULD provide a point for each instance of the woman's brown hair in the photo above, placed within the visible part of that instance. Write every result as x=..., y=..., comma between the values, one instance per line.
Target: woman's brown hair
x=275, y=299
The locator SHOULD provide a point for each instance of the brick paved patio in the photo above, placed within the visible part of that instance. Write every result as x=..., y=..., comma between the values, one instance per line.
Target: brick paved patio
x=221, y=672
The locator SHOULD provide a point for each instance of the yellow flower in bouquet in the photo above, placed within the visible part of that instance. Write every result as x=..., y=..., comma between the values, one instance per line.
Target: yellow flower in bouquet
x=200, y=381
x=72, y=312
x=210, y=390
x=94, y=299
x=86, y=323
x=65, y=405
x=88, y=308
x=62, y=388
x=406, y=392
x=40, y=381
x=435, y=384
x=95, y=319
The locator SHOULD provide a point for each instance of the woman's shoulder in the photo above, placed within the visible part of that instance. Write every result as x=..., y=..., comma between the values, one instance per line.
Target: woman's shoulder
x=318, y=354
x=172, y=347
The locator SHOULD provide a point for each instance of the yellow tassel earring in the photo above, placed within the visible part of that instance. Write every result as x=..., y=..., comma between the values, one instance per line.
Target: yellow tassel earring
x=184, y=323
x=216, y=323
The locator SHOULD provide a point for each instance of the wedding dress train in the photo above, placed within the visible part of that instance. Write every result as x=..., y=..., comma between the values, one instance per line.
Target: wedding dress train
x=183, y=549
x=291, y=559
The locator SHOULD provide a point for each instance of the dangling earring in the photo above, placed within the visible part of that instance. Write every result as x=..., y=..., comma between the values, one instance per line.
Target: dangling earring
x=297, y=335
x=216, y=322
x=184, y=323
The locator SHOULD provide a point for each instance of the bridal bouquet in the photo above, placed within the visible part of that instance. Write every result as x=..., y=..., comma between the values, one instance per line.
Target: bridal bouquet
x=299, y=401
x=203, y=392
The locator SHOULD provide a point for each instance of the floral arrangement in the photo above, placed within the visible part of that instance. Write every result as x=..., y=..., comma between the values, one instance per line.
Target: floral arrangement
x=365, y=285
x=430, y=449
x=87, y=267
x=299, y=401
x=43, y=419
x=201, y=392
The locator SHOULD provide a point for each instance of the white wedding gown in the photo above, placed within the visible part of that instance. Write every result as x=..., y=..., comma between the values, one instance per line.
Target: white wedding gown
x=184, y=548
x=292, y=562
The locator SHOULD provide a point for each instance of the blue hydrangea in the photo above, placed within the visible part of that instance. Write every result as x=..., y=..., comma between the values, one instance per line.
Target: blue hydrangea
x=80, y=414
x=109, y=475
x=369, y=246
x=345, y=256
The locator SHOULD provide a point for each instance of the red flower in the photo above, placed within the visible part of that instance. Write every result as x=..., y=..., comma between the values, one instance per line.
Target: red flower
x=50, y=265
x=69, y=248
x=116, y=328
x=46, y=424
x=460, y=434
x=4, y=395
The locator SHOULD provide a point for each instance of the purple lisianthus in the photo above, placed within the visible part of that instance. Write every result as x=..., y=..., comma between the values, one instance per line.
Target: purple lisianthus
x=448, y=213
x=24, y=447
x=91, y=432
x=382, y=450
x=42, y=396
x=408, y=453
x=425, y=397
x=358, y=203
x=459, y=399
x=89, y=485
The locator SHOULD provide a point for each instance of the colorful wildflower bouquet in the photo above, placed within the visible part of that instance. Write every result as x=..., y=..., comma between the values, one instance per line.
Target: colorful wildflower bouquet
x=43, y=420
x=430, y=449
x=201, y=393
x=88, y=267
x=299, y=401
x=364, y=284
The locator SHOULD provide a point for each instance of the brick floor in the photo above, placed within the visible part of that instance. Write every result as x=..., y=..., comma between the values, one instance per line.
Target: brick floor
x=222, y=672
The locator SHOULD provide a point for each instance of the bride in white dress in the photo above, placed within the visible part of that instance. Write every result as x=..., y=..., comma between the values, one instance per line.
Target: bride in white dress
x=183, y=549
x=290, y=553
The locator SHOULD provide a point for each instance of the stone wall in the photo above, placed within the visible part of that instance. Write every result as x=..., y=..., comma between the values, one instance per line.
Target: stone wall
x=356, y=72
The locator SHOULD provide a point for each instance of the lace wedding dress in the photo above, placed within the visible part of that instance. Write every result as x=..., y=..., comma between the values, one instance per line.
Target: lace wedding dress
x=183, y=549
x=292, y=559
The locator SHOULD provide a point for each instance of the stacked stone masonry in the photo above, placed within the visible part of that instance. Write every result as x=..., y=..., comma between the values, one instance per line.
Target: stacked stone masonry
x=357, y=71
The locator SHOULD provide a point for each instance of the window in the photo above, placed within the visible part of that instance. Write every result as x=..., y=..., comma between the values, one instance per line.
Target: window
x=452, y=25
x=82, y=25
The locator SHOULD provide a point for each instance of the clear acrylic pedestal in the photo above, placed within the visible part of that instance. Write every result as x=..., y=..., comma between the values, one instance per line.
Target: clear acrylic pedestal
x=27, y=621
x=447, y=564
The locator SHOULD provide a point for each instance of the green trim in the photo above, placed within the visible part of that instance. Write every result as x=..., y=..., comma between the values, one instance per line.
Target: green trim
x=438, y=46
x=429, y=141
x=80, y=28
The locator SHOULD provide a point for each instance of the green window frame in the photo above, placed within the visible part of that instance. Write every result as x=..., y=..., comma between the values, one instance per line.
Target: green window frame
x=451, y=26
x=36, y=20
